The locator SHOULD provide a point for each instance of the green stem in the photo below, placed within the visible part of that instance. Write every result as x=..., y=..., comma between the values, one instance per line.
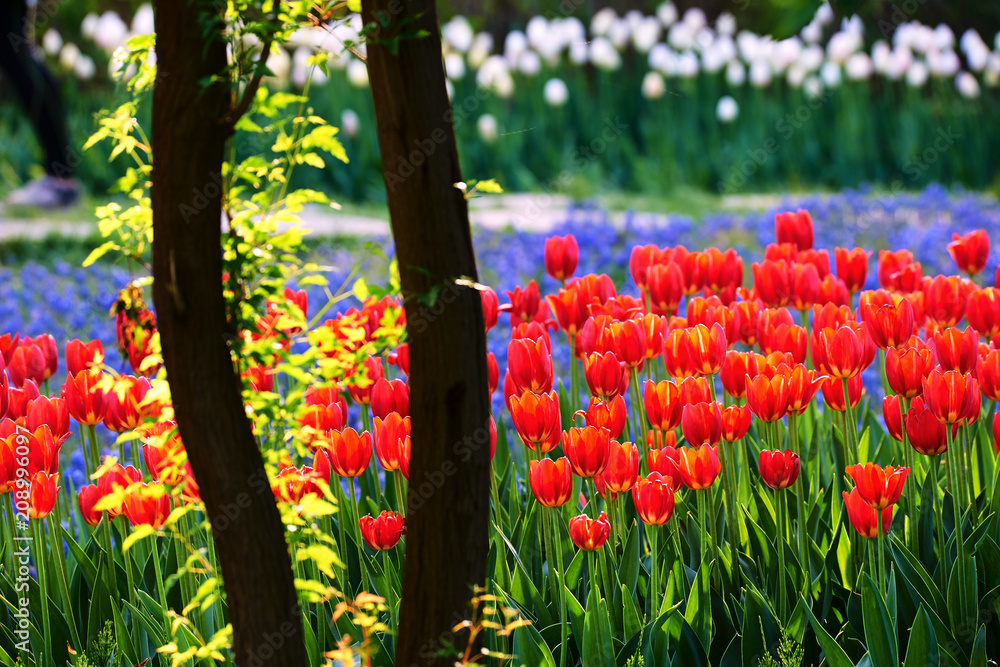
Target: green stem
x=549, y=555
x=160, y=588
x=953, y=458
x=361, y=556
x=882, y=578
x=41, y=566
x=937, y=512
x=782, y=523
x=563, y=626
x=800, y=498
x=400, y=493
x=654, y=567
x=342, y=531
x=106, y=543
x=851, y=424
x=911, y=489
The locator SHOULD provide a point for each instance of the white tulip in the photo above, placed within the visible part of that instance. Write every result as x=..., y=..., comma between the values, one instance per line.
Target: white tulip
x=457, y=34
x=760, y=73
x=480, y=50
x=824, y=14
x=725, y=24
x=881, y=56
x=812, y=32
x=538, y=31
x=68, y=56
x=695, y=18
x=653, y=86
x=487, y=127
x=813, y=87
x=667, y=14
x=529, y=63
x=842, y=45
x=858, y=67
x=357, y=74
x=967, y=85
x=749, y=45
x=52, y=42
x=680, y=36
x=944, y=38
x=796, y=75
x=943, y=63
x=619, y=33
x=555, y=92
x=513, y=46
x=84, y=68
x=830, y=74
x=786, y=52
x=454, y=66
x=916, y=76
x=736, y=74
x=602, y=21
x=811, y=57
x=279, y=62
x=604, y=55
x=142, y=22
x=111, y=32
x=687, y=65
x=645, y=35
x=579, y=52
x=727, y=109
x=88, y=28
x=350, y=123
x=662, y=59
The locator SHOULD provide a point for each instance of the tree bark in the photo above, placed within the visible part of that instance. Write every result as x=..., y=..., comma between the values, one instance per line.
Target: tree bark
x=448, y=503
x=188, y=145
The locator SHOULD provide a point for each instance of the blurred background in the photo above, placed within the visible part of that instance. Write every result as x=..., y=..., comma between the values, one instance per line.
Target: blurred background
x=636, y=100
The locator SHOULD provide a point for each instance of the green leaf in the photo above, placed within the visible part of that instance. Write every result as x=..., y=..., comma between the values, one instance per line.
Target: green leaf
x=597, y=645
x=832, y=651
x=922, y=650
x=979, y=649
x=631, y=623
x=761, y=632
x=122, y=635
x=530, y=648
x=879, y=636
x=99, y=252
x=958, y=590
x=699, y=607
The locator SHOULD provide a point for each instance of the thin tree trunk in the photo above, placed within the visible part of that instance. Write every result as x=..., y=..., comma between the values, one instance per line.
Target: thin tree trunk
x=188, y=147
x=448, y=502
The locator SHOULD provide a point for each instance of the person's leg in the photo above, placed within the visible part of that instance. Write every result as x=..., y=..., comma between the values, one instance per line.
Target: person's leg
x=39, y=96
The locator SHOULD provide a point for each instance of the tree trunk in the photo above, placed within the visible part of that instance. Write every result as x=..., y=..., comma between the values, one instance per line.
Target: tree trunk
x=448, y=504
x=188, y=143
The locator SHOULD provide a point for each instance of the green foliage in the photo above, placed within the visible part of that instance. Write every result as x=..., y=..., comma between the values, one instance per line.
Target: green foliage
x=790, y=654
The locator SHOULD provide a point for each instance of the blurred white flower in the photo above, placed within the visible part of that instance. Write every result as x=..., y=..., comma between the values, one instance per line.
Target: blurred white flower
x=529, y=63
x=687, y=65
x=842, y=45
x=449, y=89
x=454, y=66
x=619, y=33
x=811, y=57
x=736, y=74
x=991, y=75
x=487, y=127
x=279, y=62
x=824, y=14
x=760, y=73
x=725, y=24
x=84, y=68
x=51, y=42
x=142, y=22
x=703, y=38
x=695, y=17
x=357, y=74
x=116, y=67
x=796, y=75
x=662, y=59
x=944, y=38
x=967, y=85
x=653, y=86
x=830, y=74
x=88, y=27
x=718, y=55
x=812, y=32
x=457, y=34
x=727, y=110
x=555, y=92
x=604, y=55
x=538, y=32
x=786, y=52
x=68, y=56
x=602, y=21
x=579, y=52
x=350, y=123
x=299, y=75
x=858, y=67
x=680, y=36
x=881, y=55
x=667, y=13
x=513, y=46
x=943, y=63
x=645, y=35
x=916, y=76
x=748, y=45
x=480, y=50
x=813, y=87
x=634, y=17
x=975, y=49
x=111, y=32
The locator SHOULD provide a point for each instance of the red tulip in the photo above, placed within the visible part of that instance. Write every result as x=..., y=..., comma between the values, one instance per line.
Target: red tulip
x=794, y=228
x=147, y=505
x=589, y=534
x=666, y=461
x=317, y=420
x=844, y=351
x=491, y=309
x=537, y=420
x=983, y=312
x=606, y=376
x=85, y=397
x=524, y=303
x=996, y=432
x=623, y=467
x=786, y=338
x=833, y=393
x=957, y=350
x=561, y=256
x=906, y=367
x=951, y=396
x=803, y=385
x=653, y=496
x=492, y=374
x=735, y=367
x=83, y=356
x=384, y=531
x=43, y=494
x=629, y=339
x=892, y=414
x=676, y=354
x=971, y=251
x=699, y=466
x=889, y=325
x=804, y=282
x=735, y=422
x=665, y=288
x=390, y=437
x=389, y=396
x=772, y=283
x=27, y=363
x=924, y=432
x=768, y=397
x=587, y=449
x=706, y=348
x=864, y=518
x=945, y=298
x=722, y=270
x=702, y=423
x=779, y=470
x=350, y=451
x=663, y=404
x=569, y=310
x=51, y=412
x=551, y=481
x=890, y=263
x=363, y=380
x=644, y=257
x=852, y=267
x=530, y=365
x=293, y=484
x=879, y=487
x=989, y=375
x=607, y=414
x=908, y=279
x=87, y=498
